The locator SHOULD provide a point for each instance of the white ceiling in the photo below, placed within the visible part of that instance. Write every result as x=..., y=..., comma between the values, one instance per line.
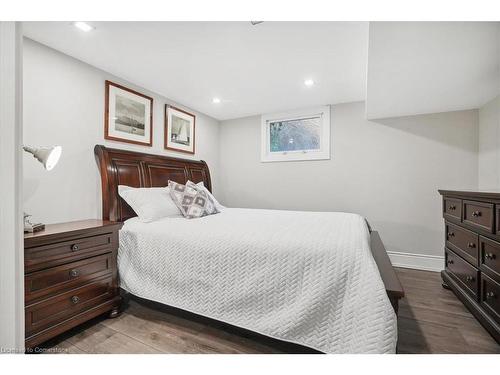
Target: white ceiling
x=413, y=67
x=428, y=67
x=252, y=69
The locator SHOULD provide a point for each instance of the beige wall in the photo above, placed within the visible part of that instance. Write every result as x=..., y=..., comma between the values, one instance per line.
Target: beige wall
x=64, y=104
x=388, y=171
x=489, y=145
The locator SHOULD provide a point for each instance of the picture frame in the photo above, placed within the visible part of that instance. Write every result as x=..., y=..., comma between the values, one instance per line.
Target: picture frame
x=180, y=130
x=128, y=115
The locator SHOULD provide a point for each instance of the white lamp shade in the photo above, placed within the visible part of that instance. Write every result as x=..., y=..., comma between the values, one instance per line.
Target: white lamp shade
x=48, y=156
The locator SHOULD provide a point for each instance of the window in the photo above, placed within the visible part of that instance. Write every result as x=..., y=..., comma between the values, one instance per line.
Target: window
x=296, y=135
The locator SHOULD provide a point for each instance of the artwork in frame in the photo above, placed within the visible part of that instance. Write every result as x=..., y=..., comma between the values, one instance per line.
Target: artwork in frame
x=128, y=115
x=179, y=130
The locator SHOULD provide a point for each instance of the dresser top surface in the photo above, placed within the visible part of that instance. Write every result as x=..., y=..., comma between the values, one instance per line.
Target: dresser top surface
x=491, y=193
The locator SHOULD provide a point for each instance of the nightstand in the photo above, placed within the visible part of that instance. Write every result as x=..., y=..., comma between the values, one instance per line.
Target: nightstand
x=70, y=276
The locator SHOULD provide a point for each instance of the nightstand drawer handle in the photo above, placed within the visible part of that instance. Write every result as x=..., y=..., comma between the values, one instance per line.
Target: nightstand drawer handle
x=469, y=278
x=75, y=247
x=490, y=295
x=450, y=261
x=451, y=234
x=476, y=213
x=490, y=256
x=74, y=273
x=471, y=245
x=453, y=207
x=75, y=299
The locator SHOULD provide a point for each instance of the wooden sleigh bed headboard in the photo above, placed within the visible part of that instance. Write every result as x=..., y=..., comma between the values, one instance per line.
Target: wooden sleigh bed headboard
x=137, y=169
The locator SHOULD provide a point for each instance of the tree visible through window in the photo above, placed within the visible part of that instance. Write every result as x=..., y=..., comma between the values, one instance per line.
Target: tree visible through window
x=295, y=135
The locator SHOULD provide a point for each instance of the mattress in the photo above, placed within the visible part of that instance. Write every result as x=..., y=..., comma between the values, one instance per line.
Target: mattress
x=304, y=277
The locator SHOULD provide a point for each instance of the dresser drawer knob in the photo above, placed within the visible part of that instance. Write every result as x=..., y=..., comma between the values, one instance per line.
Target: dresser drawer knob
x=75, y=247
x=471, y=245
x=490, y=295
x=451, y=234
x=450, y=261
x=452, y=207
x=74, y=273
x=469, y=278
x=75, y=299
x=490, y=256
x=476, y=213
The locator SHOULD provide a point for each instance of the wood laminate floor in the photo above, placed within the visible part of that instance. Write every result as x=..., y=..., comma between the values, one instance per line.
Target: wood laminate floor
x=431, y=320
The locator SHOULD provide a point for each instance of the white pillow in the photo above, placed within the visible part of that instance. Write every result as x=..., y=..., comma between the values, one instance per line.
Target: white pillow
x=218, y=206
x=149, y=204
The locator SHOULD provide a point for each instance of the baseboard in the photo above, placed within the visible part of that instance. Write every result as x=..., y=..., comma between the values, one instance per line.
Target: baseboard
x=417, y=261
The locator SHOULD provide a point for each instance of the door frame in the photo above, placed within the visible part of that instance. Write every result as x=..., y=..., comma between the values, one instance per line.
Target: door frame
x=11, y=177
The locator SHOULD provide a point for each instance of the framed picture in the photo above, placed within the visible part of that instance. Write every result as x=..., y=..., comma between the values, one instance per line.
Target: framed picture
x=128, y=115
x=179, y=130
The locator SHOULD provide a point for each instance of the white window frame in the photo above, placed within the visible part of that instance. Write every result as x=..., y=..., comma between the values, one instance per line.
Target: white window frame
x=322, y=154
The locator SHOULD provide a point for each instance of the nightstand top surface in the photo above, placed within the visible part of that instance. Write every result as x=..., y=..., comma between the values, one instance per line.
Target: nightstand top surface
x=70, y=227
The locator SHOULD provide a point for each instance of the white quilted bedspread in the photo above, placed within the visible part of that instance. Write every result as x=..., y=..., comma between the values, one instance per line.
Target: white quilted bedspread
x=303, y=277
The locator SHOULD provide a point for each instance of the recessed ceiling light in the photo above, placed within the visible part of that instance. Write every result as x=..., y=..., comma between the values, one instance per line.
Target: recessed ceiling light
x=216, y=100
x=83, y=26
x=309, y=82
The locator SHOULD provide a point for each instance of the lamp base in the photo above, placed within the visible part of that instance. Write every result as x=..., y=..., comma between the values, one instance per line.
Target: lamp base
x=32, y=228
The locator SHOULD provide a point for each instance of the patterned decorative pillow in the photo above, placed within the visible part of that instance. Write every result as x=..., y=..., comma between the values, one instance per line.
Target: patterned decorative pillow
x=192, y=202
x=200, y=186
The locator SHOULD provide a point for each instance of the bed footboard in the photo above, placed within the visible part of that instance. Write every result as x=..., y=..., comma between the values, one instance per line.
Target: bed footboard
x=392, y=284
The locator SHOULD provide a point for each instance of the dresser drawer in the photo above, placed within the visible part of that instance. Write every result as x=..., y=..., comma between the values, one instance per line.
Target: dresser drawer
x=68, y=276
x=489, y=257
x=490, y=296
x=56, y=309
x=478, y=214
x=497, y=219
x=452, y=208
x=36, y=258
x=463, y=272
x=463, y=242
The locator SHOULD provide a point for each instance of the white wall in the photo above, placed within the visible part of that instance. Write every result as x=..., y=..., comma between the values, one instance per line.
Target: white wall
x=64, y=104
x=430, y=67
x=489, y=145
x=388, y=171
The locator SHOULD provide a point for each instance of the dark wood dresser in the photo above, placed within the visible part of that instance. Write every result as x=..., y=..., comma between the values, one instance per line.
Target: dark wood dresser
x=472, y=253
x=70, y=276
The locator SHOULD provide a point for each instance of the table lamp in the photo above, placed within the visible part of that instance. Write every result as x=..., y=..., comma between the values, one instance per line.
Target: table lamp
x=48, y=156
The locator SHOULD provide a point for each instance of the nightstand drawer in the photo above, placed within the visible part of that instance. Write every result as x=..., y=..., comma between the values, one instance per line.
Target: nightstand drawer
x=56, y=309
x=478, y=214
x=463, y=272
x=463, y=242
x=61, y=278
x=36, y=258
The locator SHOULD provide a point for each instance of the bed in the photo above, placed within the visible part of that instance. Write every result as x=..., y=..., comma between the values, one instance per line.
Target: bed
x=320, y=280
